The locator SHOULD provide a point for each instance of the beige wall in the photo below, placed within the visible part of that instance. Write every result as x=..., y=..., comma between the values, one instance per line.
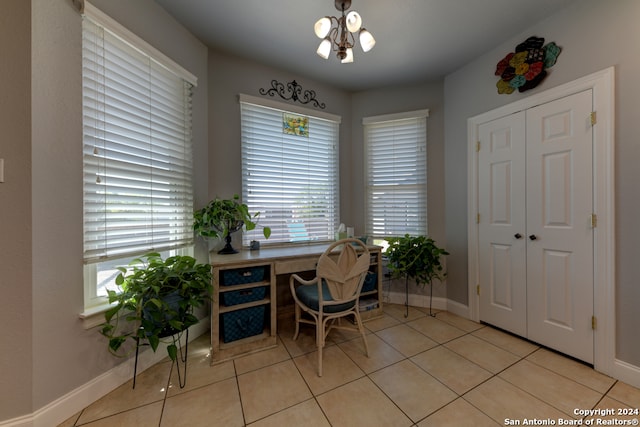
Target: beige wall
x=15, y=209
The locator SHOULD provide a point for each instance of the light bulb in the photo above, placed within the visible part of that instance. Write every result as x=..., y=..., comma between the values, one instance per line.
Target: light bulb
x=322, y=27
x=324, y=49
x=349, y=58
x=354, y=21
x=366, y=40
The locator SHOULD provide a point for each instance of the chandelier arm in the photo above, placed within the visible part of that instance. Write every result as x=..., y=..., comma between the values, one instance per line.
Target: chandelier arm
x=351, y=43
x=333, y=36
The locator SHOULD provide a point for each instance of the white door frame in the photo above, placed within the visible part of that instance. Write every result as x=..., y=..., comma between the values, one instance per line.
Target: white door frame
x=602, y=84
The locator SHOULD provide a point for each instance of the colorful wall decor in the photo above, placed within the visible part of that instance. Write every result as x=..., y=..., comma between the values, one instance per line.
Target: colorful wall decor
x=293, y=124
x=525, y=68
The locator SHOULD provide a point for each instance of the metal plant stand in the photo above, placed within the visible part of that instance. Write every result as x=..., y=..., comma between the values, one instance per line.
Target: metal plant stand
x=182, y=377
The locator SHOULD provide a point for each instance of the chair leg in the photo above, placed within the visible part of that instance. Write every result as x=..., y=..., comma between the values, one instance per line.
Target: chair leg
x=297, y=318
x=361, y=329
x=320, y=328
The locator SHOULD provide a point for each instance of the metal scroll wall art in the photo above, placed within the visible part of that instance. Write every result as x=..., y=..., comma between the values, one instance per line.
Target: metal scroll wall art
x=295, y=93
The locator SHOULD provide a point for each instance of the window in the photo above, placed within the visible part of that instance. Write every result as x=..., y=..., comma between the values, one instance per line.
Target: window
x=137, y=158
x=396, y=174
x=290, y=170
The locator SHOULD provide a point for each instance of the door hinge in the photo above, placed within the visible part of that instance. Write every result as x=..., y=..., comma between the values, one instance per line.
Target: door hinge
x=594, y=118
x=478, y=289
x=477, y=146
x=594, y=322
x=594, y=220
x=477, y=218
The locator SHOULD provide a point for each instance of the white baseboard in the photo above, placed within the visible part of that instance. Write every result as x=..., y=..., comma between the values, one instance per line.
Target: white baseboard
x=439, y=303
x=24, y=421
x=626, y=373
x=458, y=309
x=73, y=402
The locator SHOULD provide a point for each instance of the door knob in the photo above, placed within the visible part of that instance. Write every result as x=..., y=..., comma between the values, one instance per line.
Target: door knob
x=518, y=236
x=533, y=237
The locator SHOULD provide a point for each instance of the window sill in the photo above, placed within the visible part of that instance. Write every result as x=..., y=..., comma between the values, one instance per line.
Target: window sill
x=94, y=316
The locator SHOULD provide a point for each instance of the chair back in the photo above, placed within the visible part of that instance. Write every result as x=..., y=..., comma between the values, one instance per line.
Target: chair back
x=344, y=276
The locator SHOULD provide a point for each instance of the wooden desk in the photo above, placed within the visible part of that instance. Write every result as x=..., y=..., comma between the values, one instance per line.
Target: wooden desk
x=245, y=287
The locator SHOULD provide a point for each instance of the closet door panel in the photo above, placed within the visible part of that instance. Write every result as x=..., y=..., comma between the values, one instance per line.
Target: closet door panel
x=501, y=164
x=560, y=236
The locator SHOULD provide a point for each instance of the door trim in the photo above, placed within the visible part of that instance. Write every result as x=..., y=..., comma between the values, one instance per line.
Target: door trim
x=602, y=85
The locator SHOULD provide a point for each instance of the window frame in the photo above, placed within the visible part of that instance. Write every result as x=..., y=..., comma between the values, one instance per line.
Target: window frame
x=419, y=186
x=314, y=233
x=93, y=303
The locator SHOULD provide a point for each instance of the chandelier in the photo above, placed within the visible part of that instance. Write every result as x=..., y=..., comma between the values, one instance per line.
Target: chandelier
x=337, y=34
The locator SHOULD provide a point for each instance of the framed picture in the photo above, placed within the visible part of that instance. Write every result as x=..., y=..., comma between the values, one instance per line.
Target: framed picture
x=293, y=124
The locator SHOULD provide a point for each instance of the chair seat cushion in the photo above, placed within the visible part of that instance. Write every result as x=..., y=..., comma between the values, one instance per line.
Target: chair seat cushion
x=308, y=295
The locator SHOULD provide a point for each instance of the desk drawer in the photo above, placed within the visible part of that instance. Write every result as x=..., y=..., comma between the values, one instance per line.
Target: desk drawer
x=243, y=296
x=296, y=265
x=242, y=323
x=239, y=276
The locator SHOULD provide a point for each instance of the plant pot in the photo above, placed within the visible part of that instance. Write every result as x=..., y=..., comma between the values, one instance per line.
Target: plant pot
x=228, y=249
x=173, y=300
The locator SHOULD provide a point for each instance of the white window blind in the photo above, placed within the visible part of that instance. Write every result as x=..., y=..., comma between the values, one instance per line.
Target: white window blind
x=137, y=149
x=396, y=174
x=292, y=180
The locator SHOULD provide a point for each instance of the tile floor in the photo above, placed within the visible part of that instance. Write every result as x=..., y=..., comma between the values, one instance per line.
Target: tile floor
x=422, y=371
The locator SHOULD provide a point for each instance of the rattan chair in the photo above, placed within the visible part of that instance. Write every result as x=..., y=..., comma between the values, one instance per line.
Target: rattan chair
x=334, y=293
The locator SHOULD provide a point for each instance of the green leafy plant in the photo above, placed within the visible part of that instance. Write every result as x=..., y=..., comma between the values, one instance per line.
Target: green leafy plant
x=155, y=300
x=417, y=258
x=221, y=217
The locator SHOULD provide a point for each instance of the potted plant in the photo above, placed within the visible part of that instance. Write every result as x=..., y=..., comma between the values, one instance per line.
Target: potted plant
x=417, y=258
x=221, y=217
x=155, y=300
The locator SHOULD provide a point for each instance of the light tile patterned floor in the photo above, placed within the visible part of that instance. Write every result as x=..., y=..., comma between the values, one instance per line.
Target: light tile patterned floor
x=422, y=371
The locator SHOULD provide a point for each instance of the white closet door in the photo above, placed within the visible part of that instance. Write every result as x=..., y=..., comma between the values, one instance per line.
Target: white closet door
x=559, y=229
x=502, y=227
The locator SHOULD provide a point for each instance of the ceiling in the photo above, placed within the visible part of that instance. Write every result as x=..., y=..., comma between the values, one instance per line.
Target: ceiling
x=416, y=40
